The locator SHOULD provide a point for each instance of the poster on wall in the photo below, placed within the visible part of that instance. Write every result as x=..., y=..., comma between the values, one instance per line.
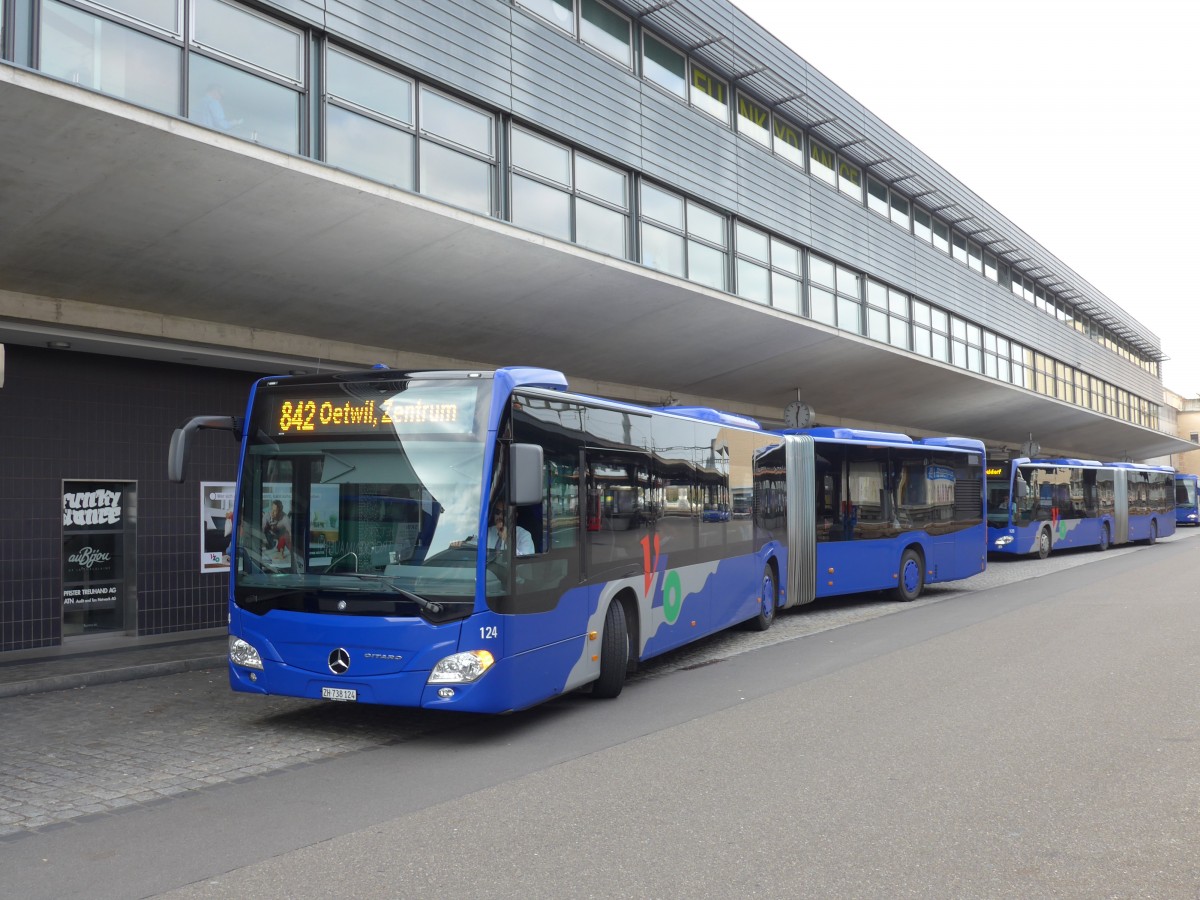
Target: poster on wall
x=216, y=525
x=277, y=523
x=93, y=547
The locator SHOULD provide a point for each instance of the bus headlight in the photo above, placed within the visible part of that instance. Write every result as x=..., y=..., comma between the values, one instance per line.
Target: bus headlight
x=243, y=654
x=1004, y=541
x=462, y=668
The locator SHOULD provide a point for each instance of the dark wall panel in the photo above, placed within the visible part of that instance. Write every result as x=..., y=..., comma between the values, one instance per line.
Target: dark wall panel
x=75, y=416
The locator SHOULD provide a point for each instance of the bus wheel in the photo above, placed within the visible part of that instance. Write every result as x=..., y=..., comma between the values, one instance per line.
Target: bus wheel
x=911, y=578
x=614, y=653
x=1103, y=545
x=1153, y=533
x=1043, y=543
x=767, y=599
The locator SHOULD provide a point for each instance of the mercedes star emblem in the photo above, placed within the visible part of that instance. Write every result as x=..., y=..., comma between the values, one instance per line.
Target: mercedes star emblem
x=339, y=661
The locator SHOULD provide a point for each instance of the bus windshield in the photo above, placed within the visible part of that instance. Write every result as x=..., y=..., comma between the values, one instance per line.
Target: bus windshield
x=999, y=501
x=1185, y=492
x=369, y=497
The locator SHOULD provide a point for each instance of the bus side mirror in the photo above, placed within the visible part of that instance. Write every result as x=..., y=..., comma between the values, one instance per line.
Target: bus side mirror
x=525, y=474
x=177, y=452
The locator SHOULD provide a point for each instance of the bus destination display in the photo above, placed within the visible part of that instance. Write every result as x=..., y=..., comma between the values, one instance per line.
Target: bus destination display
x=441, y=410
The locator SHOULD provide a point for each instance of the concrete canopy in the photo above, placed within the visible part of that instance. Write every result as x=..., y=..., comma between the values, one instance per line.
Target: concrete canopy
x=108, y=204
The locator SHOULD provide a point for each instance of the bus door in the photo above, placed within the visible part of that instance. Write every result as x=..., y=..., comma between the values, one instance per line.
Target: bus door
x=798, y=467
x=1120, y=498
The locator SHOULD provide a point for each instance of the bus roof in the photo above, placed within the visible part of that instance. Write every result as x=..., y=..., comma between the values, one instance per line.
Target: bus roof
x=704, y=413
x=851, y=434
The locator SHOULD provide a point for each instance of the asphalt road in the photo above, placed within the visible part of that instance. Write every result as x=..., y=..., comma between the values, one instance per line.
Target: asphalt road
x=1008, y=736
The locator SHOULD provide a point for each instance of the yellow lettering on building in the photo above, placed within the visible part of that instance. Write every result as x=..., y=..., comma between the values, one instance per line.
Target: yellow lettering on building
x=821, y=155
x=787, y=134
x=706, y=84
x=747, y=109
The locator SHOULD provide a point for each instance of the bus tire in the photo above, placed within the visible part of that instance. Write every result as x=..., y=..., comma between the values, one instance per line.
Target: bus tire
x=1104, y=538
x=910, y=580
x=1044, y=543
x=768, y=599
x=614, y=653
x=1150, y=541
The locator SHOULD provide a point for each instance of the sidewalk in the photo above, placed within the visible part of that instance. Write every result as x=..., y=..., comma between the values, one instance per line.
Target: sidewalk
x=117, y=660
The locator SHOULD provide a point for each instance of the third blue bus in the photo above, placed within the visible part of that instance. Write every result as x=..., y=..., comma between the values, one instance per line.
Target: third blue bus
x=1185, y=499
x=1039, y=505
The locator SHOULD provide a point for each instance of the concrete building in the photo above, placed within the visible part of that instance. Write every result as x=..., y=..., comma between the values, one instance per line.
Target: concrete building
x=657, y=198
x=1182, y=416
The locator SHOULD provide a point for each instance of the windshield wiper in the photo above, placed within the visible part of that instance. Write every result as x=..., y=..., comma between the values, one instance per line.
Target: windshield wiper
x=430, y=606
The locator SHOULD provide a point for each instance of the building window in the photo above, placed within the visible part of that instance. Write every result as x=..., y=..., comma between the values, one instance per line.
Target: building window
x=958, y=247
x=97, y=53
x=706, y=247
x=567, y=195
x=254, y=90
x=753, y=120
x=922, y=328
x=974, y=257
x=822, y=302
x=901, y=211
x=974, y=348
x=768, y=269
x=606, y=30
x=457, y=153
x=682, y=238
x=248, y=37
x=850, y=179
x=753, y=264
x=941, y=236
x=923, y=225
x=877, y=197
x=601, y=207
x=788, y=143
x=877, y=317
x=939, y=325
x=710, y=94
x=369, y=120
x=560, y=13
x=1022, y=365
x=821, y=163
x=958, y=342
x=898, y=319
x=786, y=268
x=990, y=270
x=664, y=66
x=541, y=185
x=849, y=300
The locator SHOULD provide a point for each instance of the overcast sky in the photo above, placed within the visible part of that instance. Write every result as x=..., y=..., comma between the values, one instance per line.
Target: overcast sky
x=1077, y=119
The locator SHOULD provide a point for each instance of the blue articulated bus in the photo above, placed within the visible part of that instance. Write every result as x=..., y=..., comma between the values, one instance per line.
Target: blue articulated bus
x=883, y=510
x=487, y=540
x=1036, y=505
x=1185, y=499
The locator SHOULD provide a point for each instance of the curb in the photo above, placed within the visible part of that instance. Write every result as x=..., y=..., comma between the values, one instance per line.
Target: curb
x=108, y=676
